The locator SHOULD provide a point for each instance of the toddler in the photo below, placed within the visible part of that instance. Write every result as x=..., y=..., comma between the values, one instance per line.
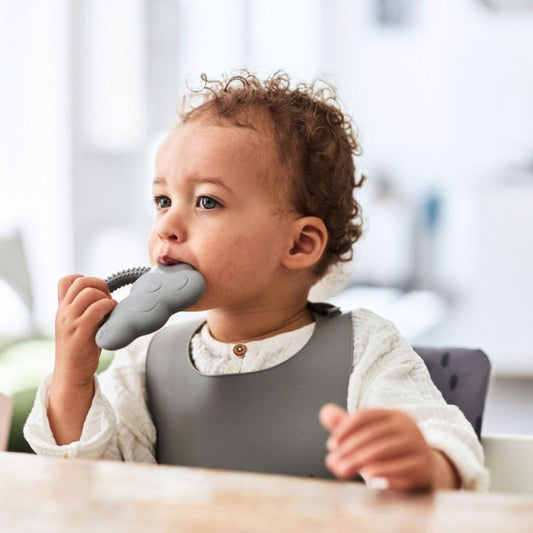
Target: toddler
x=254, y=187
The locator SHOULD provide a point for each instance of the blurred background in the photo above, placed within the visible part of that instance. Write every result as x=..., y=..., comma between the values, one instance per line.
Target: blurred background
x=441, y=92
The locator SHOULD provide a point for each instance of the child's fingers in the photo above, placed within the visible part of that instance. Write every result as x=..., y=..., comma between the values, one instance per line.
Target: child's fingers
x=96, y=312
x=331, y=415
x=357, y=440
x=80, y=284
x=85, y=299
x=393, y=467
x=64, y=285
x=356, y=422
x=85, y=303
x=350, y=464
x=384, y=449
x=406, y=472
x=346, y=468
x=381, y=443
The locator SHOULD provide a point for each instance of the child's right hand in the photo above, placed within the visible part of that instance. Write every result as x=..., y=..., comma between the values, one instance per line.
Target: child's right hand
x=83, y=304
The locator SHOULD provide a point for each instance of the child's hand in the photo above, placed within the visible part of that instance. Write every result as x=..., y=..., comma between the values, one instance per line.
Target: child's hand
x=379, y=443
x=83, y=304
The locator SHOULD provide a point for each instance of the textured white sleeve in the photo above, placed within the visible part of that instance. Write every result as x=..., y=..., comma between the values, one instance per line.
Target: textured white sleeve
x=387, y=372
x=118, y=425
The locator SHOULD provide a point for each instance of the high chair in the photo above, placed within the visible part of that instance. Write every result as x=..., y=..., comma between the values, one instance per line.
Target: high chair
x=462, y=376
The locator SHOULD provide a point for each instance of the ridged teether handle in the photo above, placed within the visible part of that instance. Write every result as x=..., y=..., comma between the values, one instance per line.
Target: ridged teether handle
x=125, y=277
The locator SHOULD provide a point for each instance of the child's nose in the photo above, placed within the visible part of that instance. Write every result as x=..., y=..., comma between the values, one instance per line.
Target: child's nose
x=171, y=228
x=166, y=236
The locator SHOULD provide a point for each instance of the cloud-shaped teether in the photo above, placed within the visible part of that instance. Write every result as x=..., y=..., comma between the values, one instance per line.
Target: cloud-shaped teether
x=153, y=299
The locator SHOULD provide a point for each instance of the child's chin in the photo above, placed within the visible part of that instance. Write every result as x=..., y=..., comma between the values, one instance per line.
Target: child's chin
x=197, y=307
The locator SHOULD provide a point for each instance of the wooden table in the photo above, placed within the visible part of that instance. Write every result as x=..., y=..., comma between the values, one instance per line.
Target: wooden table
x=58, y=495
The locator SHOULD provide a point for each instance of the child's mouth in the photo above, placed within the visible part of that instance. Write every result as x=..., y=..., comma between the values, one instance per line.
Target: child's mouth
x=167, y=260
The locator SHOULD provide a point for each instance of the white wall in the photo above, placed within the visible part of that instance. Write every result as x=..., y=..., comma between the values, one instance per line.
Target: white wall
x=445, y=106
x=35, y=155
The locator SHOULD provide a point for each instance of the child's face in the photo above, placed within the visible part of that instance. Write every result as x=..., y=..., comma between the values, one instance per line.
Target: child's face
x=218, y=208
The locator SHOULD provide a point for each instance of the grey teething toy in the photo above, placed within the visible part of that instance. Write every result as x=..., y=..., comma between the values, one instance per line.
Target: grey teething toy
x=156, y=294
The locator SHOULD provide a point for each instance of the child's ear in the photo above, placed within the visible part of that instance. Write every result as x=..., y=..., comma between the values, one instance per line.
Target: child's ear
x=308, y=242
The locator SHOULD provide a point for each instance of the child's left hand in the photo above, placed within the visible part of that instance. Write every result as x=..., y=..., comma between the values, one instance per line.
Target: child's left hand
x=379, y=443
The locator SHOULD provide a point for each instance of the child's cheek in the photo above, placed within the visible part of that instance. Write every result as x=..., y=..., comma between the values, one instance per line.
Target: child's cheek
x=230, y=260
x=152, y=247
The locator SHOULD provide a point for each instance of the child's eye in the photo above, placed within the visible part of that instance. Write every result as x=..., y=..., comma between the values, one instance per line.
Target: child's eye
x=162, y=202
x=206, y=202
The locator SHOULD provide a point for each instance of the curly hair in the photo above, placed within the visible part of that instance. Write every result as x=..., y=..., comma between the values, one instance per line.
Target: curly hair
x=315, y=140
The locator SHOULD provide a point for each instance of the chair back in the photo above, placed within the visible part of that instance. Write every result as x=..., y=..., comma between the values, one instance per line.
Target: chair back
x=462, y=376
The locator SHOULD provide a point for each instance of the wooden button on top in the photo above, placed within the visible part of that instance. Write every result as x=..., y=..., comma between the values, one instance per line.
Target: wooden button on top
x=239, y=350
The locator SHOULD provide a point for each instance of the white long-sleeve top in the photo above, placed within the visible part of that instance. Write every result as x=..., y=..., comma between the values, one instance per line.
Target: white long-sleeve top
x=386, y=372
